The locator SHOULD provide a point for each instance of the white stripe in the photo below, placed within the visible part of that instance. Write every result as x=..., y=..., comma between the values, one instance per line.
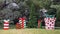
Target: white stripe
x=24, y=22
x=6, y=24
x=6, y=27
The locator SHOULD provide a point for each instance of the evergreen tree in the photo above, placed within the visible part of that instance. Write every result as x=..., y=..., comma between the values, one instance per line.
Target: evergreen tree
x=32, y=20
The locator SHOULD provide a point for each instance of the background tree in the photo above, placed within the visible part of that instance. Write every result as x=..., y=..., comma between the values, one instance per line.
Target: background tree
x=34, y=5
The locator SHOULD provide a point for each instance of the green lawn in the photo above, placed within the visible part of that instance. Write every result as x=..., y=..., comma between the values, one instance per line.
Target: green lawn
x=29, y=31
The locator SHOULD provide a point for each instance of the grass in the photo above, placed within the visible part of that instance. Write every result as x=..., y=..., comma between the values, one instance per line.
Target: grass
x=29, y=31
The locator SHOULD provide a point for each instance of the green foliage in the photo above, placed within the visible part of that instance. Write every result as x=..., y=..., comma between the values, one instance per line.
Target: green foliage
x=58, y=14
x=57, y=7
x=33, y=19
x=42, y=3
x=52, y=11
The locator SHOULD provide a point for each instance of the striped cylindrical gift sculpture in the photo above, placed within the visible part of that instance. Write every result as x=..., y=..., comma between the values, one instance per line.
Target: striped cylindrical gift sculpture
x=6, y=24
x=49, y=23
x=22, y=22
